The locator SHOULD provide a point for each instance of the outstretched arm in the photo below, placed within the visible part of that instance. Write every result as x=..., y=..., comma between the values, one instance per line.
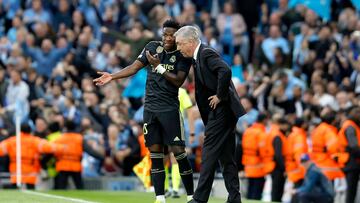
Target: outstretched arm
x=126, y=72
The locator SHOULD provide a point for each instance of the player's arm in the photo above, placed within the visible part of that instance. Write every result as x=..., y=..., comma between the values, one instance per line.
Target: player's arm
x=176, y=79
x=125, y=72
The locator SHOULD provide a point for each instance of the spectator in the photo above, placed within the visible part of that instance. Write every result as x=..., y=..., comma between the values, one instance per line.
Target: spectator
x=41, y=128
x=232, y=30
x=46, y=57
x=173, y=8
x=249, y=118
x=238, y=68
x=134, y=14
x=36, y=14
x=91, y=166
x=62, y=15
x=78, y=22
x=273, y=41
x=17, y=94
x=16, y=24
x=71, y=111
x=316, y=187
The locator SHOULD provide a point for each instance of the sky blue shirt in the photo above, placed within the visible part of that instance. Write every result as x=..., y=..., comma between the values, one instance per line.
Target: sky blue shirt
x=269, y=45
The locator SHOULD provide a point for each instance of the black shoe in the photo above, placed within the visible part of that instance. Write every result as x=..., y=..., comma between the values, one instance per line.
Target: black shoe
x=175, y=194
x=192, y=201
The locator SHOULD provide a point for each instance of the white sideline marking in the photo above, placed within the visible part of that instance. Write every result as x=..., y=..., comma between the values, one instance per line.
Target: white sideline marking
x=56, y=196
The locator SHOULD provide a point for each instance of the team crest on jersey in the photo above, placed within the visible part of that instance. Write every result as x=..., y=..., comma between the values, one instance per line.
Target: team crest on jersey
x=159, y=49
x=173, y=59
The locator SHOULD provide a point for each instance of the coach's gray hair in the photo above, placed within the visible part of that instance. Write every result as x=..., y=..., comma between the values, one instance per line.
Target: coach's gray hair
x=188, y=32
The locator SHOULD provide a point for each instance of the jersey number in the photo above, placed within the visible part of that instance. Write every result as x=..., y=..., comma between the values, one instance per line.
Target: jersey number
x=145, y=131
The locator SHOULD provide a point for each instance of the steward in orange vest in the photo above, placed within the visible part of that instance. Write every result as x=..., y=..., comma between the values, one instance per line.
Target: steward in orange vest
x=349, y=136
x=325, y=145
x=275, y=152
x=31, y=148
x=253, y=140
x=297, y=146
x=68, y=163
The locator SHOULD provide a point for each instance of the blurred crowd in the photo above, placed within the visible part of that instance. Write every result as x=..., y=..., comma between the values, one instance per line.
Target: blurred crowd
x=287, y=58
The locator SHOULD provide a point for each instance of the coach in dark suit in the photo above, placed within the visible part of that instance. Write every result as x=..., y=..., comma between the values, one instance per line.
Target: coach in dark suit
x=220, y=109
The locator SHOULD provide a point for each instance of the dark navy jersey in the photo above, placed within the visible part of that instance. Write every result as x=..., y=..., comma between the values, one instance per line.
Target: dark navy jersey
x=161, y=95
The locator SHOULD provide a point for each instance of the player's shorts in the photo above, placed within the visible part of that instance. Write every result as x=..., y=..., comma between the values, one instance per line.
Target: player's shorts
x=165, y=128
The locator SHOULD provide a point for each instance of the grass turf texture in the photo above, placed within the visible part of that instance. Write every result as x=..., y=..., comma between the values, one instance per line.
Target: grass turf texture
x=14, y=196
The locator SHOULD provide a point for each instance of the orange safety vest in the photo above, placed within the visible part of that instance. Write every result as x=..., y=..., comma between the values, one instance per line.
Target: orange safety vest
x=324, y=146
x=70, y=159
x=268, y=152
x=253, y=139
x=344, y=156
x=297, y=146
x=31, y=147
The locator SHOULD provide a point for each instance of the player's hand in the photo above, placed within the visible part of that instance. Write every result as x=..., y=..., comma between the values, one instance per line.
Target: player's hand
x=214, y=101
x=153, y=59
x=103, y=79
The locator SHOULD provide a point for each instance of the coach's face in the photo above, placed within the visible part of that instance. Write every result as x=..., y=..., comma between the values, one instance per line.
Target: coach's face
x=185, y=47
x=168, y=38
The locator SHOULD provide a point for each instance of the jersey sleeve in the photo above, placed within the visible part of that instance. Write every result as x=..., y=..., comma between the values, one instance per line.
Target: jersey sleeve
x=184, y=64
x=149, y=47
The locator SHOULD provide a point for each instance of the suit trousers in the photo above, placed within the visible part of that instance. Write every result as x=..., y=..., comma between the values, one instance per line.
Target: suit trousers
x=352, y=179
x=219, y=145
x=255, y=188
x=61, y=180
x=277, y=185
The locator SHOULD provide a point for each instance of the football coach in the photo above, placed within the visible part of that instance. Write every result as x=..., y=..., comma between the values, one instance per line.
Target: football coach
x=220, y=108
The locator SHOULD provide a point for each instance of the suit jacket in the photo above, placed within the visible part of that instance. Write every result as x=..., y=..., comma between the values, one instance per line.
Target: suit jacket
x=213, y=77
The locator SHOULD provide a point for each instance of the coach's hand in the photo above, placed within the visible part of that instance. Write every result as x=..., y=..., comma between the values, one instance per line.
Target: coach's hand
x=153, y=59
x=103, y=79
x=214, y=101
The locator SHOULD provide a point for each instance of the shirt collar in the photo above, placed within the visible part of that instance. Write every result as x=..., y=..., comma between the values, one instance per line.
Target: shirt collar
x=196, y=51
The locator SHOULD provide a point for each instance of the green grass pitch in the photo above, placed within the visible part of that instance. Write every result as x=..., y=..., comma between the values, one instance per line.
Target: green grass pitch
x=14, y=196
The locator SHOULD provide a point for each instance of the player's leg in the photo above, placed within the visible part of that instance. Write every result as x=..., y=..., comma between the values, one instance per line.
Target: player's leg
x=158, y=171
x=185, y=169
x=173, y=131
x=154, y=141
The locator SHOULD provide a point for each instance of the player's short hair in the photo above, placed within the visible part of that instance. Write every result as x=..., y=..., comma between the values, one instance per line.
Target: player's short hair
x=171, y=24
